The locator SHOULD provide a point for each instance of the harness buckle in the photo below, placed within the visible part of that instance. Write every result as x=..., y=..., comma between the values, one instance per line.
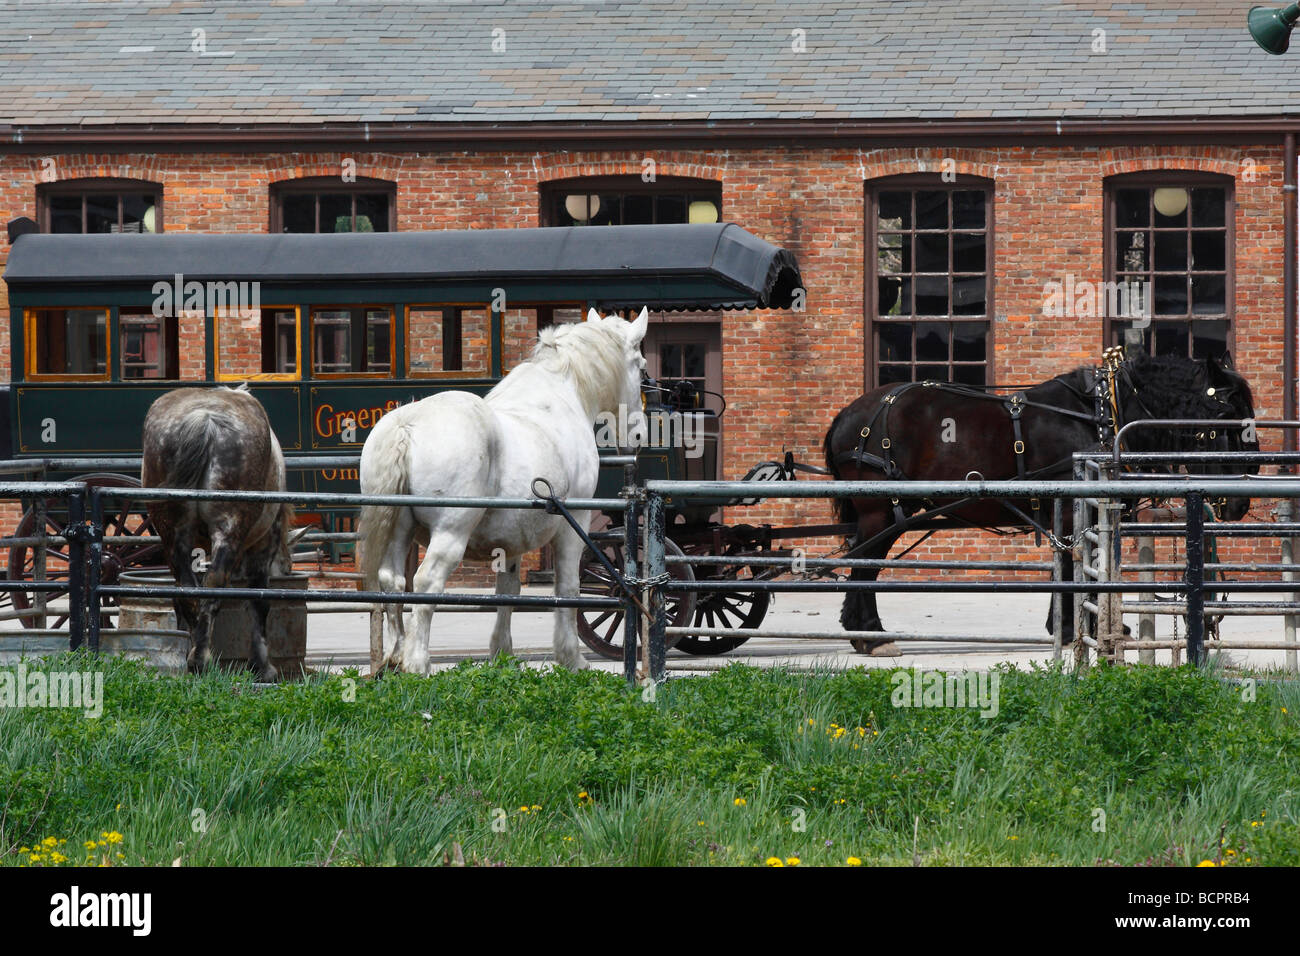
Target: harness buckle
x=1033, y=504
x=889, y=399
x=866, y=431
x=1019, y=447
x=884, y=443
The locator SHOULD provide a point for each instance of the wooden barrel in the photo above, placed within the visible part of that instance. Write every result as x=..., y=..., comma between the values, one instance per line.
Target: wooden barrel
x=286, y=624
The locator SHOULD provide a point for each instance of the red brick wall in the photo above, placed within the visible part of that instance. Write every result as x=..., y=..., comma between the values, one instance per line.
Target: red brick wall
x=785, y=374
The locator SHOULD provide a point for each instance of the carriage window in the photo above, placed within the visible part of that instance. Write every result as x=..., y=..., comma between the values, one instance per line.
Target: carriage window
x=1169, y=274
x=356, y=341
x=447, y=339
x=628, y=201
x=147, y=346
x=931, y=269
x=325, y=204
x=257, y=344
x=100, y=205
x=67, y=342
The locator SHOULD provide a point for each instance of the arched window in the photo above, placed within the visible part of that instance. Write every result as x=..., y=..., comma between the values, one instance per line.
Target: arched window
x=329, y=204
x=929, y=271
x=98, y=204
x=1169, y=262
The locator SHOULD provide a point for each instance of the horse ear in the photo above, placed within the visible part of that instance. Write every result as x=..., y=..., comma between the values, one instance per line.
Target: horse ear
x=593, y=315
x=638, y=330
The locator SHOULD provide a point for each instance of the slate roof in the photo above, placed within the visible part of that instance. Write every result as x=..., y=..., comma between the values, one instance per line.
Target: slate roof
x=432, y=61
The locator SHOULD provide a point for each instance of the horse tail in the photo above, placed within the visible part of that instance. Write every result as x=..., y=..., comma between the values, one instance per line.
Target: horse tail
x=383, y=472
x=843, y=507
x=192, y=443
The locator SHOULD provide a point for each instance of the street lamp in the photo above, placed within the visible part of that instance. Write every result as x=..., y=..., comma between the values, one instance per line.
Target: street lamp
x=1272, y=28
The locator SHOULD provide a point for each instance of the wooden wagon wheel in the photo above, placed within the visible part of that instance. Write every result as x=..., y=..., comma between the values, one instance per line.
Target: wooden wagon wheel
x=121, y=517
x=730, y=609
x=602, y=629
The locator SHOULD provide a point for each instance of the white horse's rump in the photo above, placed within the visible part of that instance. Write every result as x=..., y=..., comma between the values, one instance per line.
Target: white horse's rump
x=536, y=423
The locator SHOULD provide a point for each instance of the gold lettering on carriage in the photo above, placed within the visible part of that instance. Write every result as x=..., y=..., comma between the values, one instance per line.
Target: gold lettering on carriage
x=660, y=429
x=210, y=298
x=330, y=423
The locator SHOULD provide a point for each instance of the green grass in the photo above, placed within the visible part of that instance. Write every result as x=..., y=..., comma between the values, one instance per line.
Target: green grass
x=487, y=762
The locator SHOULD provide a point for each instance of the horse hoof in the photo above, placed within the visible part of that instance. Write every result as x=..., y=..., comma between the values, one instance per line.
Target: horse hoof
x=268, y=676
x=876, y=648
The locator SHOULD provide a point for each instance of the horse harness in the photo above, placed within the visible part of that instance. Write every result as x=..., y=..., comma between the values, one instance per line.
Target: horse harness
x=1105, y=416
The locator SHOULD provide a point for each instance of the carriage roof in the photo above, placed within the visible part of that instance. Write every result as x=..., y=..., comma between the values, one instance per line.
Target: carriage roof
x=714, y=266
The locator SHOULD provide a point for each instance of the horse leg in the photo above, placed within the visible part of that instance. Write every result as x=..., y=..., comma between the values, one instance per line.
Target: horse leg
x=507, y=584
x=261, y=578
x=392, y=578
x=186, y=608
x=859, y=612
x=443, y=556
x=217, y=575
x=568, y=554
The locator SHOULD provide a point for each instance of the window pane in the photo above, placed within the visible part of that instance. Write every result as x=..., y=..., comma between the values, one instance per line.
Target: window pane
x=298, y=212
x=1209, y=337
x=931, y=373
x=1209, y=207
x=332, y=340
x=134, y=206
x=1171, y=338
x=1171, y=251
x=1132, y=207
x=379, y=327
x=970, y=296
x=285, y=322
x=670, y=361
x=1170, y=204
x=968, y=341
x=894, y=252
x=890, y=374
x=1131, y=252
x=670, y=209
x=101, y=214
x=932, y=295
x=335, y=212
x=1209, y=251
x=693, y=354
x=894, y=341
x=609, y=213
x=932, y=253
x=638, y=210
x=968, y=252
x=892, y=299
x=895, y=211
x=932, y=209
x=932, y=342
x=1171, y=295
x=143, y=349
x=968, y=209
x=1209, y=295
x=70, y=341
x=970, y=374
x=65, y=214
x=372, y=212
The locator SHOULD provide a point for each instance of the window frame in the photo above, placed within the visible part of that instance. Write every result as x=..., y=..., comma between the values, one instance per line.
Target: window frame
x=627, y=184
x=1188, y=179
x=392, y=310
x=30, y=366
x=483, y=307
x=314, y=185
x=87, y=185
x=170, y=344
x=220, y=376
x=912, y=182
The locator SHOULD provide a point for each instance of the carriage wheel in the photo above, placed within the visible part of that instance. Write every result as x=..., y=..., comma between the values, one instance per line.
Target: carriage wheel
x=730, y=609
x=126, y=517
x=601, y=629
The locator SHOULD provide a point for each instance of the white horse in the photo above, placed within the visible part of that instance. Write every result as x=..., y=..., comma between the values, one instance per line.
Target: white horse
x=538, y=422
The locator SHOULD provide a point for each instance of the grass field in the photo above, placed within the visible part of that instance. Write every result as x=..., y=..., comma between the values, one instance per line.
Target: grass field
x=498, y=763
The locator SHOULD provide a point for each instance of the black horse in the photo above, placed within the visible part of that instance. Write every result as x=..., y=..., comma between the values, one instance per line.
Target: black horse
x=940, y=432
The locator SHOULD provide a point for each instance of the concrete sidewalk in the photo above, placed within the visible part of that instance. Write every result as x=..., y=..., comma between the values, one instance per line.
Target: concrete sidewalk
x=342, y=640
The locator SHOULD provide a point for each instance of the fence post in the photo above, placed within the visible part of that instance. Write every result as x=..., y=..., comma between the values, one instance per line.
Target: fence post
x=1147, y=621
x=655, y=573
x=631, y=612
x=1285, y=514
x=1058, y=573
x=76, y=572
x=1082, y=556
x=376, y=639
x=1194, y=577
x=40, y=525
x=95, y=533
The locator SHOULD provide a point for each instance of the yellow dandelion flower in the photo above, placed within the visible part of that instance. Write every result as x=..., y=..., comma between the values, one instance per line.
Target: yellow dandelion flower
x=1013, y=837
x=791, y=861
x=1230, y=852
x=90, y=844
x=774, y=861
x=1207, y=863
x=114, y=837
x=739, y=802
x=535, y=806
x=57, y=857
x=853, y=861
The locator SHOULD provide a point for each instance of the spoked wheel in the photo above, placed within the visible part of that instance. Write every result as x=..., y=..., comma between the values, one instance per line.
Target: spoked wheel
x=601, y=629
x=729, y=609
x=125, y=518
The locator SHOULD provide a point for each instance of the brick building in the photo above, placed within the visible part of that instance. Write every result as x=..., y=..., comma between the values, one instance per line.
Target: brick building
x=960, y=189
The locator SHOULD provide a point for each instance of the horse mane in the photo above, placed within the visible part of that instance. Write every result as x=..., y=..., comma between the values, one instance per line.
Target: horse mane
x=590, y=354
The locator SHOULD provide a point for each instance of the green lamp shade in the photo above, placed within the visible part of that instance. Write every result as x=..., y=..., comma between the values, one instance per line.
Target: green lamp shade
x=1272, y=28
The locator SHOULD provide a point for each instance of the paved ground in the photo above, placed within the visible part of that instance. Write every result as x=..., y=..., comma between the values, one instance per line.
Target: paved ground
x=339, y=640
